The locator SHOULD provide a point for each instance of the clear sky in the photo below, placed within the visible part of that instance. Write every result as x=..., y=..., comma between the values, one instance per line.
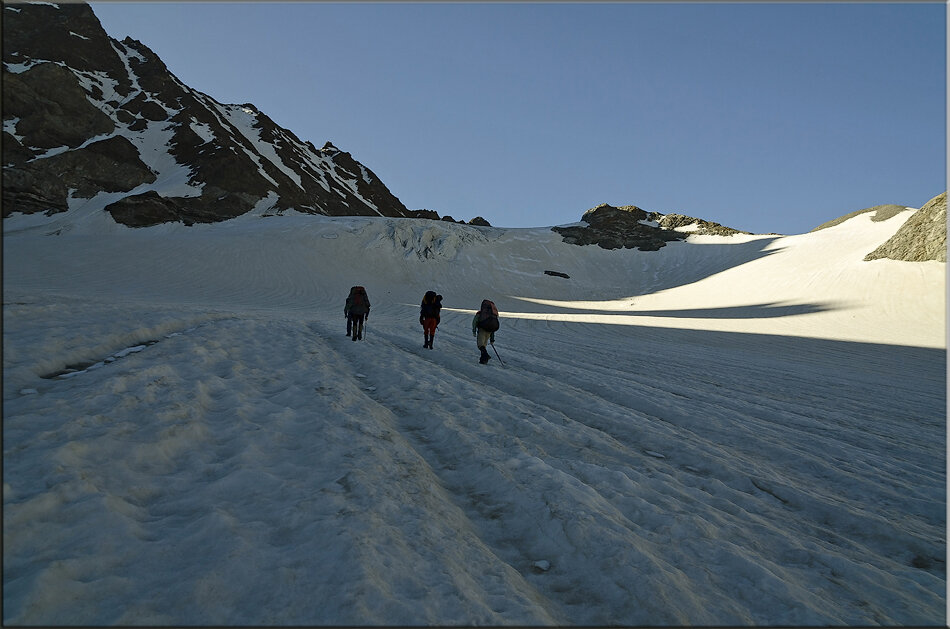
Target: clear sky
x=765, y=117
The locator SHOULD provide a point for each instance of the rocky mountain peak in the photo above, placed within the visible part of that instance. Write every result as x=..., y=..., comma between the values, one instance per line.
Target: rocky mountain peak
x=89, y=121
x=605, y=213
x=629, y=226
x=625, y=227
x=69, y=34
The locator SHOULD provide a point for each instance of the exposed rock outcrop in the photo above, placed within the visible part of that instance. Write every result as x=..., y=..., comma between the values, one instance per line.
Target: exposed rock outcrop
x=625, y=227
x=110, y=165
x=702, y=227
x=923, y=237
x=430, y=214
x=146, y=209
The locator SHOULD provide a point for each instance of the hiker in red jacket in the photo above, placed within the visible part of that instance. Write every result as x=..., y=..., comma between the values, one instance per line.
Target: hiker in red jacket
x=429, y=316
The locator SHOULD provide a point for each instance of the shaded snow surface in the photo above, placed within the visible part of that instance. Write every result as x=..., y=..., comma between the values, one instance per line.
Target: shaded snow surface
x=729, y=431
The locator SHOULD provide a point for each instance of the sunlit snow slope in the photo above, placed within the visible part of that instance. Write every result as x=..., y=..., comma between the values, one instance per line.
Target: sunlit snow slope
x=731, y=430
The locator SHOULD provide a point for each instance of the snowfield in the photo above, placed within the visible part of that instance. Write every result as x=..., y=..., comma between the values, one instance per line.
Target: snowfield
x=745, y=430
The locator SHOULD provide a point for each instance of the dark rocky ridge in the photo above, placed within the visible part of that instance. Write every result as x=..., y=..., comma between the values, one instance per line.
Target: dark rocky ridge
x=703, y=227
x=630, y=227
x=612, y=227
x=83, y=112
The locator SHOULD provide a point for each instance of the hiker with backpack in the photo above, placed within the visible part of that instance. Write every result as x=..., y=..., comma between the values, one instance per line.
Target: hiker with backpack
x=484, y=326
x=429, y=316
x=356, y=311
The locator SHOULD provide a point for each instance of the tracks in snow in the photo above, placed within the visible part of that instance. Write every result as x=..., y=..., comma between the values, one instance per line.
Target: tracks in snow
x=626, y=466
x=647, y=439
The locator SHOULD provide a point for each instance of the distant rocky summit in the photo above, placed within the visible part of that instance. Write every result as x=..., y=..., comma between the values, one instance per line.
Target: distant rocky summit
x=624, y=227
x=923, y=237
x=878, y=213
x=86, y=115
x=697, y=226
x=630, y=227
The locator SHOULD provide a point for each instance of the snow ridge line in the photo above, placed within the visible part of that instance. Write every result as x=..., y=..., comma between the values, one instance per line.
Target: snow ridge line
x=75, y=369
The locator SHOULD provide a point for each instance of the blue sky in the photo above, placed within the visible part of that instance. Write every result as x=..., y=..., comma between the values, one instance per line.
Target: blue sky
x=766, y=117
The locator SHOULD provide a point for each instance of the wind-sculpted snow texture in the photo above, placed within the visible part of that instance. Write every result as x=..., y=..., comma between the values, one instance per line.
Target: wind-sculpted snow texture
x=740, y=430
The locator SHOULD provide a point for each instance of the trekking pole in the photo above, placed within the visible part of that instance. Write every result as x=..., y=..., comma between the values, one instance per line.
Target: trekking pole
x=496, y=354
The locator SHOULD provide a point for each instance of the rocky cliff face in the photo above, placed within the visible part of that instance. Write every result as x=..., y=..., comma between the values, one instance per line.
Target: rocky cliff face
x=923, y=237
x=87, y=117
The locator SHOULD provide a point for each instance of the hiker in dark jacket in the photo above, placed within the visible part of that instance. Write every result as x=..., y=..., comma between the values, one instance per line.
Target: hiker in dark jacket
x=484, y=326
x=429, y=316
x=355, y=311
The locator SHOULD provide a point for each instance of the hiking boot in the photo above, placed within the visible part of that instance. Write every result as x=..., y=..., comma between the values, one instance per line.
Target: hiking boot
x=485, y=356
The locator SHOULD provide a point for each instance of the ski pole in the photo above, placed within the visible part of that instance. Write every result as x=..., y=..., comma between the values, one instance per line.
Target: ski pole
x=496, y=354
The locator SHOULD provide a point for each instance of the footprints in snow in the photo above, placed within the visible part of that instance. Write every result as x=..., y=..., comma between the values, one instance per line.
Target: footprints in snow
x=367, y=388
x=324, y=390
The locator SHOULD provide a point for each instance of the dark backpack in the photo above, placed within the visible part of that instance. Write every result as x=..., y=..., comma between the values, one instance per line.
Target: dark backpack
x=488, y=316
x=359, y=302
x=431, y=305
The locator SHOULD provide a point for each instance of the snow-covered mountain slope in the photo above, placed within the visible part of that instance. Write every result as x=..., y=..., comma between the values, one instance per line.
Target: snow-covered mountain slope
x=93, y=122
x=810, y=285
x=731, y=430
